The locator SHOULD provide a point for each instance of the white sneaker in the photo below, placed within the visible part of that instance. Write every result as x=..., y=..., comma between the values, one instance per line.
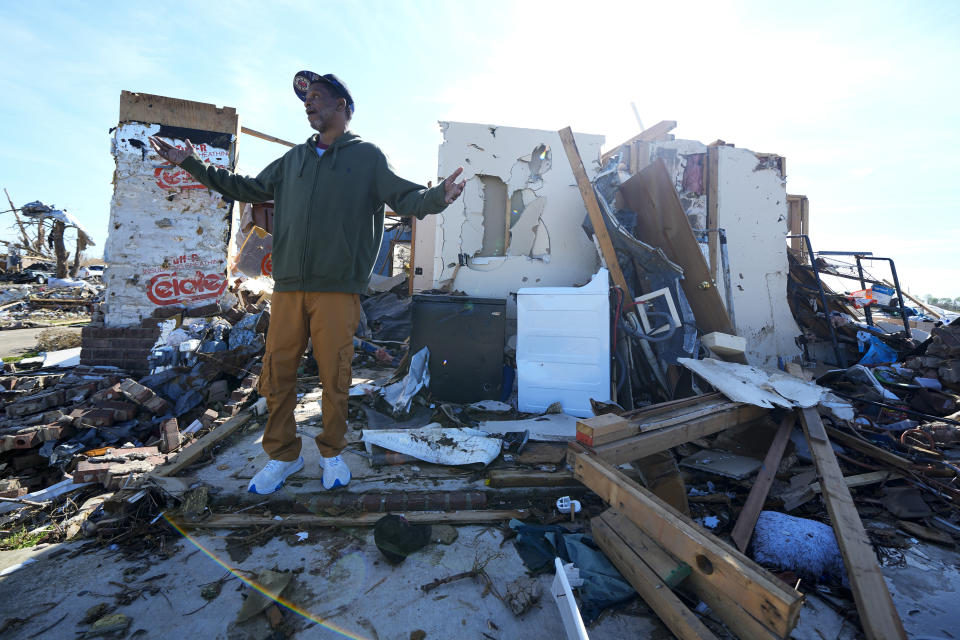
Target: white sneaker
x=273, y=475
x=336, y=472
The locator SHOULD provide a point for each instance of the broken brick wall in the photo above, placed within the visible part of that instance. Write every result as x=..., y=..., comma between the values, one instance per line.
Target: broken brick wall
x=518, y=223
x=752, y=208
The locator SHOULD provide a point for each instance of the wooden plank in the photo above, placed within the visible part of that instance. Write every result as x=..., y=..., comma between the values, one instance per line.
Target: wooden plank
x=645, y=444
x=608, y=428
x=264, y=136
x=661, y=222
x=668, y=607
x=499, y=478
x=603, y=429
x=672, y=405
x=905, y=295
x=661, y=475
x=878, y=616
x=713, y=205
x=724, y=568
x=861, y=480
x=148, y=108
x=669, y=569
x=189, y=455
x=242, y=520
x=650, y=134
x=875, y=452
x=593, y=210
x=724, y=606
x=743, y=529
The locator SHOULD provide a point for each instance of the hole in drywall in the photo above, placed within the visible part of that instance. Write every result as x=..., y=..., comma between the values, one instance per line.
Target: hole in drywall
x=494, y=216
x=540, y=161
x=517, y=207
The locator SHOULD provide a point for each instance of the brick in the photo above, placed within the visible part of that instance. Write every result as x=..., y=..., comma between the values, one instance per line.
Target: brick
x=169, y=435
x=158, y=406
x=217, y=391
x=203, y=311
x=136, y=391
x=112, y=392
x=240, y=395
x=208, y=417
x=122, y=411
x=96, y=418
x=91, y=472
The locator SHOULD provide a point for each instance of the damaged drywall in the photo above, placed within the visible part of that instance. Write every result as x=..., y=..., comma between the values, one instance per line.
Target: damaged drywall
x=752, y=209
x=168, y=235
x=518, y=223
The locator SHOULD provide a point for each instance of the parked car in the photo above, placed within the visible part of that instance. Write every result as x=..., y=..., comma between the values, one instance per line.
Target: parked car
x=39, y=274
x=93, y=271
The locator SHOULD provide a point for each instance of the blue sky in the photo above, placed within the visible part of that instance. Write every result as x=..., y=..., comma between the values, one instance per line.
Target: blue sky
x=860, y=97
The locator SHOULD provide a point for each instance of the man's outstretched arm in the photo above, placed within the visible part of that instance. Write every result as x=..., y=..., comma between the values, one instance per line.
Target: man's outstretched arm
x=410, y=199
x=230, y=184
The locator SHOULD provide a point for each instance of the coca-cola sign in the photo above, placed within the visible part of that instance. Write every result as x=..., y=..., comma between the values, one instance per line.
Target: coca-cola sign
x=173, y=288
x=171, y=176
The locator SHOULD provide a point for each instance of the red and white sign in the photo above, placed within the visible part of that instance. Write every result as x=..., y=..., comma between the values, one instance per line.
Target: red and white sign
x=170, y=176
x=172, y=288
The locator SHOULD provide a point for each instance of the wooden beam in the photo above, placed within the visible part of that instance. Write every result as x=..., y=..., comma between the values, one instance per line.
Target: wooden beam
x=242, y=520
x=875, y=452
x=743, y=529
x=645, y=444
x=878, y=616
x=723, y=568
x=675, y=573
x=188, y=455
x=668, y=607
x=593, y=210
x=650, y=134
x=669, y=569
x=499, y=478
x=889, y=284
x=610, y=428
x=713, y=206
x=264, y=136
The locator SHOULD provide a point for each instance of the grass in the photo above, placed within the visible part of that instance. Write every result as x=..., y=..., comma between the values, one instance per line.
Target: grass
x=21, y=539
x=28, y=354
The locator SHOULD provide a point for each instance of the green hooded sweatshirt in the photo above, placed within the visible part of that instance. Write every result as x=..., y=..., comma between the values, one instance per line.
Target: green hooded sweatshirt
x=328, y=210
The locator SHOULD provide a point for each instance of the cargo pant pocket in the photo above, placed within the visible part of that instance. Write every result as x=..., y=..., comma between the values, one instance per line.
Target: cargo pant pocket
x=265, y=384
x=345, y=369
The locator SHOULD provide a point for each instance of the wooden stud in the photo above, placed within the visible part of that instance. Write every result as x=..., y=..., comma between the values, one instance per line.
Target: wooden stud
x=743, y=529
x=242, y=520
x=726, y=570
x=189, y=455
x=713, y=205
x=668, y=607
x=645, y=444
x=878, y=616
x=593, y=210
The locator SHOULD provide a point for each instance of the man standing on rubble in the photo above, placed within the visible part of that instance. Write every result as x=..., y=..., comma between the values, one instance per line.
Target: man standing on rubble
x=328, y=223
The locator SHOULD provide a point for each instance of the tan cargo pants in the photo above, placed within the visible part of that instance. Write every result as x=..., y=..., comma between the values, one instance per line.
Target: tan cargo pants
x=329, y=319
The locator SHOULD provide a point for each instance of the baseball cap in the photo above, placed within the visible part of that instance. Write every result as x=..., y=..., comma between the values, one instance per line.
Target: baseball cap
x=303, y=79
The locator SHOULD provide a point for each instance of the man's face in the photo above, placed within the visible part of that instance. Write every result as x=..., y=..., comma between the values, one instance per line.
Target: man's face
x=321, y=106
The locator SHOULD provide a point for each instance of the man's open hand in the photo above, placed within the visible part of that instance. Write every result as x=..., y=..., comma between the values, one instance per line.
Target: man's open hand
x=451, y=188
x=171, y=153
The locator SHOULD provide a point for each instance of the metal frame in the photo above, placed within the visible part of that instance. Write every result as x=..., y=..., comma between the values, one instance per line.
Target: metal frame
x=841, y=356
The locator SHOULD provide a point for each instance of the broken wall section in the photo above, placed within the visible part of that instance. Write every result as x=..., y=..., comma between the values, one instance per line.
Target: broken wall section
x=751, y=206
x=168, y=235
x=518, y=223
